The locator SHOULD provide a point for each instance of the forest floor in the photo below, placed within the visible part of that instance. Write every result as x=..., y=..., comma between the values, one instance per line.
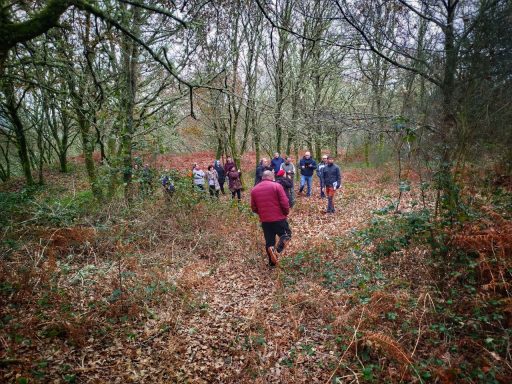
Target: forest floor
x=180, y=291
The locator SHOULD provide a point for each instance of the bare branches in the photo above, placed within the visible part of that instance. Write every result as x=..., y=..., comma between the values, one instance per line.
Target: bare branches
x=42, y=21
x=377, y=51
x=423, y=15
x=155, y=9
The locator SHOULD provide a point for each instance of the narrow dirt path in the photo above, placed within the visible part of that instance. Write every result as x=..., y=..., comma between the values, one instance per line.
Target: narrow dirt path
x=245, y=324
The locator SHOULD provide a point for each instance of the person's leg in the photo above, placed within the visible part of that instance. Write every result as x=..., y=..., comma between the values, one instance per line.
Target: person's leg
x=330, y=199
x=302, y=183
x=269, y=233
x=309, y=180
x=239, y=194
x=211, y=189
x=333, y=192
x=222, y=187
x=233, y=194
x=270, y=242
x=216, y=193
x=322, y=188
x=285, y=235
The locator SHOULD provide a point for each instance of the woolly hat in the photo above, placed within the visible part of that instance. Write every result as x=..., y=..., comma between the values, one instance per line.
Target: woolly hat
x=280, y=173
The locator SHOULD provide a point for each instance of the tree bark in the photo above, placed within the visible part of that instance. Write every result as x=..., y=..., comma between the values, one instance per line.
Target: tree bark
x=19, y=131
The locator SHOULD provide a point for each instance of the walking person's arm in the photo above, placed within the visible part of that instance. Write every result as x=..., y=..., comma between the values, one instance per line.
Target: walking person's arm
x=254, y=207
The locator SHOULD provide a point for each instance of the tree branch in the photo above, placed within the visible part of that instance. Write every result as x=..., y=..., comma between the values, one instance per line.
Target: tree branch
x=153, y=8
x=41, y=22
x=379, y=53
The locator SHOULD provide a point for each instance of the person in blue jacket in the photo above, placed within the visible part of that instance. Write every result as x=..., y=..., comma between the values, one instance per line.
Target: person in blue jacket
x=276, y=162
x=307, y=167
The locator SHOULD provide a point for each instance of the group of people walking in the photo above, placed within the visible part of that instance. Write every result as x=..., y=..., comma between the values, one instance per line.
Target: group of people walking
x=273, y=193
x=215, y=177
x=328, y=173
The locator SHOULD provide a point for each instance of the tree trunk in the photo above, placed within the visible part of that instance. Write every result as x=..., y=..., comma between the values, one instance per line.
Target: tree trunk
x=88, y=151
x=12, y=109
x=130, y=71
x=40, y=149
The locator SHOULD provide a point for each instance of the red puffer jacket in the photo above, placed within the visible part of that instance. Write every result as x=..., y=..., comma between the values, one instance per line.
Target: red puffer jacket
x=269, y=201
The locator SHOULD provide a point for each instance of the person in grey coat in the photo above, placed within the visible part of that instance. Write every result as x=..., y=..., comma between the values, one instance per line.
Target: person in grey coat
x=331, y=174
x=319, y=173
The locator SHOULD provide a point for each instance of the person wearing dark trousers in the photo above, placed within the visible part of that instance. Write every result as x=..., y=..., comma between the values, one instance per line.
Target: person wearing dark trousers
x=332, y=179
x=289, y=168
x=213, y=181
x=269, y=201
x=307, y=167
x=235, y=183
x=221, y=174
x=319, y=169
x=287, y=185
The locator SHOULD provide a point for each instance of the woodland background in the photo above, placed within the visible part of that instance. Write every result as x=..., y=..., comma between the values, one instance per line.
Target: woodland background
x=410, y=282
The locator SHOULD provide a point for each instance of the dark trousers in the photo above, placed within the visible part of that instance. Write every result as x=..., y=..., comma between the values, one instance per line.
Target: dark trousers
x=322, y=187
x=276, y=228
x=238, y=193
x=213, y=191
x=221, y=183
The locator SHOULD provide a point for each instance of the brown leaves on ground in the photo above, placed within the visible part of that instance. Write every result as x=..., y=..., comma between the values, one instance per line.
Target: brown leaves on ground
x=184, y=295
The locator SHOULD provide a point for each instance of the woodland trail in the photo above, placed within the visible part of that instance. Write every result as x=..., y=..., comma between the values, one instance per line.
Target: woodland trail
x=198, y=302
x=246, y=325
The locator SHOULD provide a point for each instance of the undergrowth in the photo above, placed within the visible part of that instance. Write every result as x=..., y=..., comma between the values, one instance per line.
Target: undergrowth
x=409, y=297
x=76, y=273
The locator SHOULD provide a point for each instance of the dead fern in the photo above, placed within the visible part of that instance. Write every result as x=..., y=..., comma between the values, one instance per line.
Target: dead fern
x=389, y=346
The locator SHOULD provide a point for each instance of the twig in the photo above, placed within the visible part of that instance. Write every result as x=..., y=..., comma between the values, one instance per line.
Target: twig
x=419, y=333
x=354, y=337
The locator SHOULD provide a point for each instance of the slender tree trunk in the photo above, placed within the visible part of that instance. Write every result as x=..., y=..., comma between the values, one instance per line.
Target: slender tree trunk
x=130, y=71
x=449, y=122
x=19, y=131
x=5, y=171
x=88, y=150
x=40, y=149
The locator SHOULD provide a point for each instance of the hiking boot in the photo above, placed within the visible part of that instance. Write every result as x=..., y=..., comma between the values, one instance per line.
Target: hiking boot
x=283, y=243
x=272, y=256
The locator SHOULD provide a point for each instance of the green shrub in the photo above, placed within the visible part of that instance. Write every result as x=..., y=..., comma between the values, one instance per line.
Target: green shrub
x=63, y=211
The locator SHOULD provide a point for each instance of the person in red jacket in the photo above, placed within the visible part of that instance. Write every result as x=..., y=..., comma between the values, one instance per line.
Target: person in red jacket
x=269, y=201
